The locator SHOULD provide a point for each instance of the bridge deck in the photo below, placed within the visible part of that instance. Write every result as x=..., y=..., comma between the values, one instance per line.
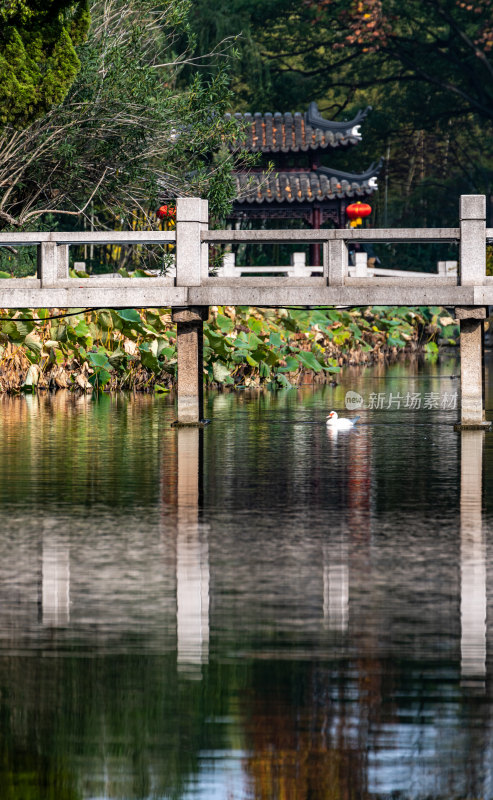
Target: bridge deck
x=287, y=294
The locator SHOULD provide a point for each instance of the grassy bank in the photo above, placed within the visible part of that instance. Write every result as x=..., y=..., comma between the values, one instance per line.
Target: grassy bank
x=135, y=349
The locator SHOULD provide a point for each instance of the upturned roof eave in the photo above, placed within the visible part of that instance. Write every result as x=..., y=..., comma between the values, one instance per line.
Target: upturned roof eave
x=299, y=132
x=314, y=118
x=302, y=187
x=372, y=171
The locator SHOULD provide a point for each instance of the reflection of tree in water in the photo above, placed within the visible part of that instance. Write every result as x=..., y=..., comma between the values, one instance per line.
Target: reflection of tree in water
x=73, y=439
x=360, y=729
x=27, y=775
x=112, y=726
x=304, y=735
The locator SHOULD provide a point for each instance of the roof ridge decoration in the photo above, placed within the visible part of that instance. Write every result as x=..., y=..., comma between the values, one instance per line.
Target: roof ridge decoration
x=314, y=118
x=372, y=172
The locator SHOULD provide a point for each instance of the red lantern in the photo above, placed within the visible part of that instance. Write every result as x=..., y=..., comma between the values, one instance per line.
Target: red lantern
x=166, y=212
x=358, y=210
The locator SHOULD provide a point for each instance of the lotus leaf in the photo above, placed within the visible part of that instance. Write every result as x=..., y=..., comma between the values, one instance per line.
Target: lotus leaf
x=255, y=325
x=129, y=315
x=309, y=360
x=292, y=364
x=34, y=343
x=98, y=359
x=224, y=323
x=221, y=373
x=82, y=329
x=100, y=378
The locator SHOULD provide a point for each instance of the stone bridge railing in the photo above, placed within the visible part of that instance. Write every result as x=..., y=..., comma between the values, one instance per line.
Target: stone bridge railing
x=192, y=284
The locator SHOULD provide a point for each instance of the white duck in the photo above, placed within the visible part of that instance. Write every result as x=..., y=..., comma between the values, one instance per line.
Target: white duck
x=343, y=424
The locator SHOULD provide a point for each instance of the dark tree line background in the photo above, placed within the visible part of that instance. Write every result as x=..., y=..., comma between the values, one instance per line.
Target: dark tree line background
x=425, y=66
x=95, y=98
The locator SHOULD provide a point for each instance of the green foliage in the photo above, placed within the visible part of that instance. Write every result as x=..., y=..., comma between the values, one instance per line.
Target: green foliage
x=489, y=260
x=128, y=136
x=446, y=44
x=132, y=349
x=251, y=346
x=38, y=61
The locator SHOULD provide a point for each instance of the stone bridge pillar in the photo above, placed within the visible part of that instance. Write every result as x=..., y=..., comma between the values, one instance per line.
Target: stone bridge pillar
x=471, y=320
x=190, y=367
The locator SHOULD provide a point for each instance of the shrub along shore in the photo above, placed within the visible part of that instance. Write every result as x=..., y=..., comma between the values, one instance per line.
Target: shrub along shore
x=135, y=349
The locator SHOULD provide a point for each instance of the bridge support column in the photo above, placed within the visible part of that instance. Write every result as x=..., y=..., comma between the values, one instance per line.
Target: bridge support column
x=189, y=346
x=471, y=321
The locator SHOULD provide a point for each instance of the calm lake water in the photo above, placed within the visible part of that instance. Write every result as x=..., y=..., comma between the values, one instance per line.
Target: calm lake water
x=260, y=610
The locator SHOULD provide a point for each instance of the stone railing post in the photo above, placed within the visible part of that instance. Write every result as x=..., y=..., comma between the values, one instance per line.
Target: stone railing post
x=52, y=263
x=472, y=257
x=336, y=253
x=472, y=272
x=62, y=262
x=191, y=267
x=192, y=264
x=228, y=269
x=360, y=264
x=298, y=265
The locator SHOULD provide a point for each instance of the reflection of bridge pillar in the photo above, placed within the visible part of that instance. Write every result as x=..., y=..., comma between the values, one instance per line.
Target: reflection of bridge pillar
x=473, y=559
x=192, y=556
x=55, y=578
x=336, y=589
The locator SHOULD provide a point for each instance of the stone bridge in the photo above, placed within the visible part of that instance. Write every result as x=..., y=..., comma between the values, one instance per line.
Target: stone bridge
x=192, y=288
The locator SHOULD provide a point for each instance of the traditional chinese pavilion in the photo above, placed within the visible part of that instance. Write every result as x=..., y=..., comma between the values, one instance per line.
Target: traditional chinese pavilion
x=299, y=187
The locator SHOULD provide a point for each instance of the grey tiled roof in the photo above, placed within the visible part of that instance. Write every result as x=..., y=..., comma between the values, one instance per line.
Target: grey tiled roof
x=285, y=133
x=258, y=187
